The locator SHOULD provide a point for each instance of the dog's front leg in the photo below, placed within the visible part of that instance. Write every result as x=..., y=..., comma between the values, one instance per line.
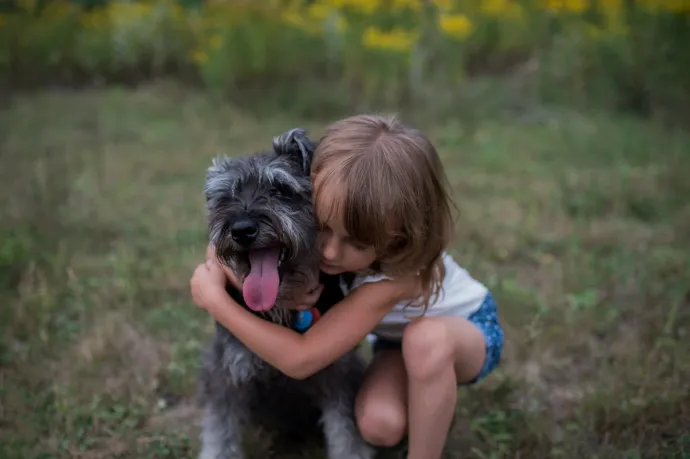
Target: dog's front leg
x=221, y=434
x=343, y=440
x=228, y=367
x=338, y=385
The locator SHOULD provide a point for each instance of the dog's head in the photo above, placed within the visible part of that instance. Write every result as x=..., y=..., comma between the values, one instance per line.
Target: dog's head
x=261, y=220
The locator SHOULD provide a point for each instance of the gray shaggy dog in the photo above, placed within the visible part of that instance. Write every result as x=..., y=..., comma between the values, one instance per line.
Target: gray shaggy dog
x=262, y=224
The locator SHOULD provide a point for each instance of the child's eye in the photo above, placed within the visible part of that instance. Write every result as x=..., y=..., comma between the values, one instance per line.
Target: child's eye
x=360, y=247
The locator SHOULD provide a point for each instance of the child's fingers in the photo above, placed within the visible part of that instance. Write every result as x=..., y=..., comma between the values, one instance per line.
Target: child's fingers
x=216, y=271
x=213, y=265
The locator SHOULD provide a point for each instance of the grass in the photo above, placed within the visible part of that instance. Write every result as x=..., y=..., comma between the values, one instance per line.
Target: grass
x=577, y=222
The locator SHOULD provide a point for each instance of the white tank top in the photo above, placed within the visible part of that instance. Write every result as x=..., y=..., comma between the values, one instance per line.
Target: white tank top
x=460, y=296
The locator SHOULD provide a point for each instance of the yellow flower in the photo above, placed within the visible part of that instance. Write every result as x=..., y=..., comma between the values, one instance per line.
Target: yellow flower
x=618, y=28
x=318, y=11
x=57, y=9
x=509, y=9
x=340, y=24
x=298, y=21
x=94, y=19
x=367, y=7
x=495, y=7
x=27, y=5
x=178, y=13
x=456, y=25
x=215, y=42
x=593, y=32
x=573, y=6
x=611, y=7
x=677, y=6
x=199, y=56
x=414, y=5
x=128, y=13
x=395, y=40
x=577, y=6
x=292, y=18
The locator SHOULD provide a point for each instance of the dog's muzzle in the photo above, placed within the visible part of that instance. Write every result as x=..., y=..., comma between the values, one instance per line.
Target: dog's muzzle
x=260, y=286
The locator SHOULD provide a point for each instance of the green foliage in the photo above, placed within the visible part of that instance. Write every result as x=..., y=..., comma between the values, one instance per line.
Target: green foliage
x=633, y=58
x=613, y=54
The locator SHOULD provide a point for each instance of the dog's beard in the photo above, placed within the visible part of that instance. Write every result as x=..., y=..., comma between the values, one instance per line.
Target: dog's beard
x=257, y=263
x=239, y=264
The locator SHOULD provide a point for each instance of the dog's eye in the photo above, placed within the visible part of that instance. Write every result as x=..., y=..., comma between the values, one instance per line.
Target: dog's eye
x=279, y=189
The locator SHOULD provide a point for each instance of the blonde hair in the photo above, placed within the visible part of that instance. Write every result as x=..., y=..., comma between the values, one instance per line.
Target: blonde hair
x=393, y=195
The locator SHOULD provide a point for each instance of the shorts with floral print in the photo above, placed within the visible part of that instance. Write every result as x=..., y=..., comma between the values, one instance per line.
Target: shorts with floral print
x=486, y=320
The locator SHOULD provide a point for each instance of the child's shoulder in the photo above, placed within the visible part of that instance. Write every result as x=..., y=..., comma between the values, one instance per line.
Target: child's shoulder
x=355, y=280
x=368, y=279
x=451, y=265
x=454, y=273
x=351, y=281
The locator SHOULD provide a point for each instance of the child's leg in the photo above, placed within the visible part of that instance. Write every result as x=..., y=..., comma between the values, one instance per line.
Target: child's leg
x=439, y=353
x=381, y=405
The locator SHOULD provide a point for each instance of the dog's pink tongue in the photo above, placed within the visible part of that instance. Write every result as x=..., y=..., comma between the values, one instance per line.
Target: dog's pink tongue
x=260, y=287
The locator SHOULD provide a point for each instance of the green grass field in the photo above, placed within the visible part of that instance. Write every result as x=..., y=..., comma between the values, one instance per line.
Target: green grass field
x=580, y=224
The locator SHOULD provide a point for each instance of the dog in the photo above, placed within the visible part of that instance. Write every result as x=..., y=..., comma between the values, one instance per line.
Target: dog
x=262, y=223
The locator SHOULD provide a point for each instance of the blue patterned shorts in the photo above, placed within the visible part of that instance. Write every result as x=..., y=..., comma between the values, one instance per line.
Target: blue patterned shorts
x=486, y=319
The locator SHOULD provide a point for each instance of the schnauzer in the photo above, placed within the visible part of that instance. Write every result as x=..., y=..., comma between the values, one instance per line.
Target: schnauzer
x=262, y=224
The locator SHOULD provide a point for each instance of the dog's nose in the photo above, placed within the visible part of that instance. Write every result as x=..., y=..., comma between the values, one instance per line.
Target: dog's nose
x=244, y=231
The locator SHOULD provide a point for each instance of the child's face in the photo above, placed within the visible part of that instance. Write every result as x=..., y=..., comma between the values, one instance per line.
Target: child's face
x=339, y=253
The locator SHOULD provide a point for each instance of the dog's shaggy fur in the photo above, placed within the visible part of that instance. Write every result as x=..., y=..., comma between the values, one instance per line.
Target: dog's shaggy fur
x=264, y=201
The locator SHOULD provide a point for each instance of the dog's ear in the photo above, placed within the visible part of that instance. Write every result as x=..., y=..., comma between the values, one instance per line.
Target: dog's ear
x=221, y=164
x=217, y=176
x=296, y=144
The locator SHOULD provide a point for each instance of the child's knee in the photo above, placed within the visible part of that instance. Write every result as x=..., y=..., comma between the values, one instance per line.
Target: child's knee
x=427, y=348
x=382, y=424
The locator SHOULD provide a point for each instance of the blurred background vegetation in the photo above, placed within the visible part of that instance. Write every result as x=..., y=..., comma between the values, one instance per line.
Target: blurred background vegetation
x=563, y=128
x=617, y=54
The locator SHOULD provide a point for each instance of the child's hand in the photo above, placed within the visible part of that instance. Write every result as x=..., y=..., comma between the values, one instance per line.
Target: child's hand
x=234, y=280
x=208, y=285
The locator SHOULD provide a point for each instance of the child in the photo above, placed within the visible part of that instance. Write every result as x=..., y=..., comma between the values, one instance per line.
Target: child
x=383, y=204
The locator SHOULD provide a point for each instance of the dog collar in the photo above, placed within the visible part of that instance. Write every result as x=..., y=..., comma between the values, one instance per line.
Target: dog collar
x=302, y=320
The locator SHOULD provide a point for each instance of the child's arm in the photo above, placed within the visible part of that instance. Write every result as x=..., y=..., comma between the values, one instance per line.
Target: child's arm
x=298, y=356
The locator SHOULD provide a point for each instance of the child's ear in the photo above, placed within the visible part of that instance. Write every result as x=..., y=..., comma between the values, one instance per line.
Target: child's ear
x=296, y=144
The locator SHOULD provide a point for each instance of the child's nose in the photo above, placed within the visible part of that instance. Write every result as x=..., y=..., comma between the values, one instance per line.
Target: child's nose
x=329, y=248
